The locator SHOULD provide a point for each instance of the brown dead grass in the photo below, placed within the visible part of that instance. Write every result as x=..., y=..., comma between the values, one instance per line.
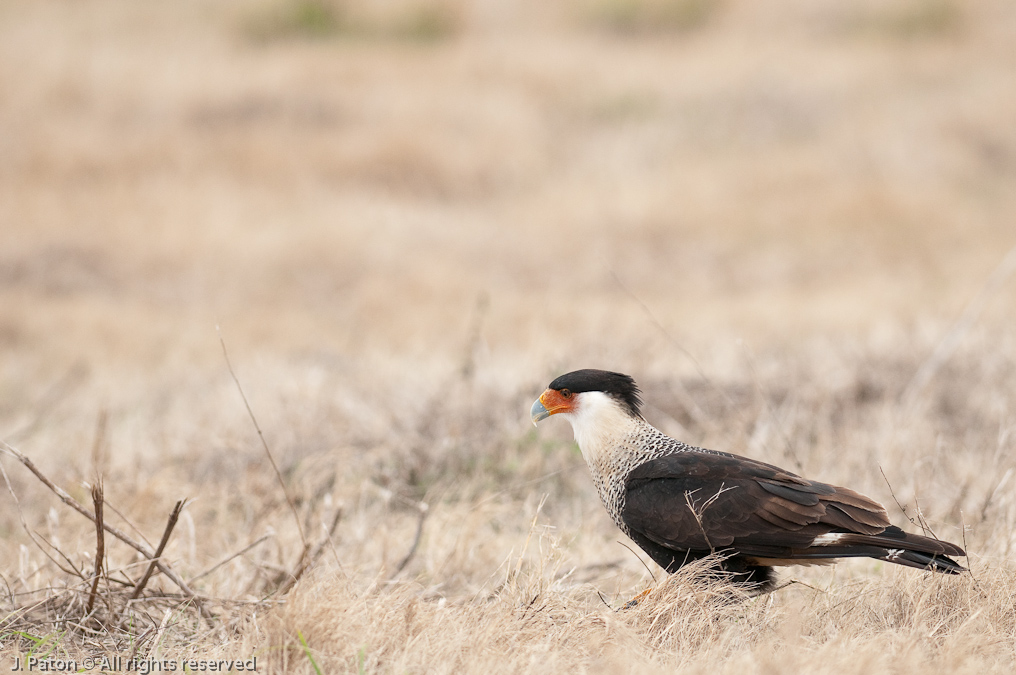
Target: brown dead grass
x=770, y=215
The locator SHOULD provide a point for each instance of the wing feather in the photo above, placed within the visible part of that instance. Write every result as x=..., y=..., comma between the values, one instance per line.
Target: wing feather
x=708, y=500
x=796, y=517
x=794, y=494
x=693, y=502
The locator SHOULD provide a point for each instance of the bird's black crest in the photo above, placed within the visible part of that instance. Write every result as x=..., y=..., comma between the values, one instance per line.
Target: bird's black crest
x=620, y=386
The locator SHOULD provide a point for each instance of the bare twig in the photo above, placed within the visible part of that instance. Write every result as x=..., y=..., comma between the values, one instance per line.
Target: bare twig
x=697, y=511
x=970, y=566
x=639, y=558
x=264, y=444
x=959, y=329
x=525, y=547
x=329, y=539
x=902, y=508
x=518, y=486
x=10, y=591
x=329, y=533
x=925, y=526
x=689, y=402
x=36, y=538
x=423, y=509
x=154, y=652
x=22, y=611
x=698, y=518
x=100, y=545
x=998, y=488
x=116, y=532
x=255, y=543
x=124, y=518
x=769, y=407
x=70, y=563
x=308, y=561
x=666, y=333
x=158, y=552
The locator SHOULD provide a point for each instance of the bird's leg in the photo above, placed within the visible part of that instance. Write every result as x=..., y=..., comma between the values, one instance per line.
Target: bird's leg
x=637, y=599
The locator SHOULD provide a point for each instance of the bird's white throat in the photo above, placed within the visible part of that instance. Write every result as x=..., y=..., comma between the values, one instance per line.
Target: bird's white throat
x=599, y=422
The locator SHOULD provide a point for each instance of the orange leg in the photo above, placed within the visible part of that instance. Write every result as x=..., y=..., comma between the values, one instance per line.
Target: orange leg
x=637, y=599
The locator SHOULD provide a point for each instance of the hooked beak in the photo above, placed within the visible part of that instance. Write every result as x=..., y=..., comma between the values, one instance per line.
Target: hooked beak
x=539, y=411
x=551, y=402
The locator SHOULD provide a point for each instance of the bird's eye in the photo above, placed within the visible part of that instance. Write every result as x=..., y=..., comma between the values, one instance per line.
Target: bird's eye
x=566, y=393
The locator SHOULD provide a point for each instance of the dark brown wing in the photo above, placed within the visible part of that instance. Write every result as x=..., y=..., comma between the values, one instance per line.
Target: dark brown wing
x=712, y=501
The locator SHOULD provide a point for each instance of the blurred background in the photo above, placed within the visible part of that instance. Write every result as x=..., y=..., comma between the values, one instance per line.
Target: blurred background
x=407, y=216
x=791, y=221
x=346, y=177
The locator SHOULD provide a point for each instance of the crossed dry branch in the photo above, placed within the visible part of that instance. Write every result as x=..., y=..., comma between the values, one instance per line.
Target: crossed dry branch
x=153, y=556
x=112, y=529
x=698, y=509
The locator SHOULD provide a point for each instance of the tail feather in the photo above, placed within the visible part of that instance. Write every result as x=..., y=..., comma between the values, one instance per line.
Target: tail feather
x=895, y=538
x=923, y=561
x=892, y=545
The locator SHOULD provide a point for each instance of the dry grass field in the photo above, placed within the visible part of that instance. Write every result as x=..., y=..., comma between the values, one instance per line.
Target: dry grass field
x=789, y=221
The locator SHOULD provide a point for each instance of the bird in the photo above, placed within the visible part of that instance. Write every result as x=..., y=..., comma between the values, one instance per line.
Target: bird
x=682, y=503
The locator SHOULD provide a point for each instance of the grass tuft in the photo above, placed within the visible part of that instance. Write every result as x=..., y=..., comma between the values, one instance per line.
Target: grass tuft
x=404, y=20
x=909, y=19
x=632, y=17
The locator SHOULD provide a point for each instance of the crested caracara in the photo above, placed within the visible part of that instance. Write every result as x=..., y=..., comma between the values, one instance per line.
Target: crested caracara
x=680, y=503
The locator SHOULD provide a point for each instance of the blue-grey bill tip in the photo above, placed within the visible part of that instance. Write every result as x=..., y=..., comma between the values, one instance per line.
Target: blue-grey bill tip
x=538, y=412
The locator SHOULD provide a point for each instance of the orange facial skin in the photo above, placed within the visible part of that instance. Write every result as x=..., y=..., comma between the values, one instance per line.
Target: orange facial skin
x=557, y=401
